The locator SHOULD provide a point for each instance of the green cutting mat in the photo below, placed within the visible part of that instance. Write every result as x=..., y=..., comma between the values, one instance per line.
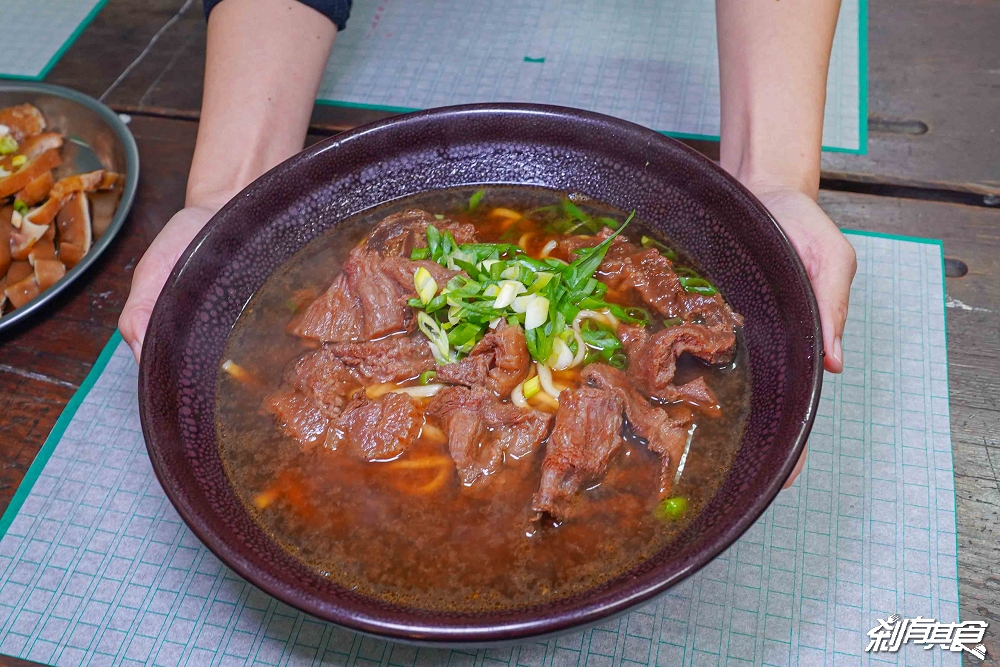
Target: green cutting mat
x=37, y=32
x=653, y=62
x=96, y=567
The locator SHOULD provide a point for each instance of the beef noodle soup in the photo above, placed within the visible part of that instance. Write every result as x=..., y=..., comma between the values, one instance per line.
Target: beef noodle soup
x=475, y=400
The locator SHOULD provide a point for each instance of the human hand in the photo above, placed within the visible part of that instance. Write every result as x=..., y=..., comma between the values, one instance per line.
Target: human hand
x=829, y=260
x=153, y=269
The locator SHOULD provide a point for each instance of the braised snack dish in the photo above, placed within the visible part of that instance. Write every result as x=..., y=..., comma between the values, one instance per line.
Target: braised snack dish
x=48, y=219
x=494, y=403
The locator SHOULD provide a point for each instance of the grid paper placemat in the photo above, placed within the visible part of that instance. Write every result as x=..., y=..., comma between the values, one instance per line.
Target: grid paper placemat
x=37, y=33
x=653, y=62
x=96, y=567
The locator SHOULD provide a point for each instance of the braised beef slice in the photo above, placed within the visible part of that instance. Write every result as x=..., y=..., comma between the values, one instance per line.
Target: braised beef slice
x=324, y=380
x=628, y=267
x=334, y=317
x=698, y=394
x=472, y=371
x=381, y=298
x=653, y=359
x=519, y=431
x=568, y=247
x=398, y=234
x=481, y=429
x=499, y=362
x=585, y=438
x=368, y=299
x=390, y=359
x=665, y=431
x=379, y=429
x=402, y=271
x=298, y=415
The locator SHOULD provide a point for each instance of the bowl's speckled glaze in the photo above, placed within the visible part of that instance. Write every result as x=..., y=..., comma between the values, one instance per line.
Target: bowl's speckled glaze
x=673, y=188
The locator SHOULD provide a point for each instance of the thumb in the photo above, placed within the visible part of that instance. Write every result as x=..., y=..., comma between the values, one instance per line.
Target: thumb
x=152, y=271
x=150, y=275
x=832, y=285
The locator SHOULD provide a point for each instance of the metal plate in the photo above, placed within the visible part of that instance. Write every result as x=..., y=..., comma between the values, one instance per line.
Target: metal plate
x=96, y=138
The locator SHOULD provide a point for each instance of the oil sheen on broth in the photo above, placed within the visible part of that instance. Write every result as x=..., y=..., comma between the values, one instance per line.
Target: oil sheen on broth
x=457, y=548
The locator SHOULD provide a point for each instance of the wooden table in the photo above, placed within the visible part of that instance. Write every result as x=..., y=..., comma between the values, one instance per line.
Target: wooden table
x=933, y=169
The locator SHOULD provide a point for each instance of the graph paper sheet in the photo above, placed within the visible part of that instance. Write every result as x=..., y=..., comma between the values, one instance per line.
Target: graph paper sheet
x=654, y=62
x=96, y=568
x=37, y=32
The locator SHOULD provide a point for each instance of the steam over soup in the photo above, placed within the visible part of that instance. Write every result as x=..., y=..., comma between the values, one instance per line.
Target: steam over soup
x=480, y=400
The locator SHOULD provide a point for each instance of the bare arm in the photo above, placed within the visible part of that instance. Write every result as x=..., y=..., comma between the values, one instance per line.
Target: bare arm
x=264, y=63
x=773, y=61
x=265, y=59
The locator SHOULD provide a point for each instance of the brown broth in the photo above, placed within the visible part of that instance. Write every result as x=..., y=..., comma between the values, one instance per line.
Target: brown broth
x=409, y=536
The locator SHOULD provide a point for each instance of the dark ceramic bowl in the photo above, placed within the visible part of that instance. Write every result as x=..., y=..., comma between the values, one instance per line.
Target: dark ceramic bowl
x=673, y=188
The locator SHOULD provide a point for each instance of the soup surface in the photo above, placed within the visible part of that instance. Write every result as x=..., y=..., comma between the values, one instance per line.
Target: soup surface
x=450, y=472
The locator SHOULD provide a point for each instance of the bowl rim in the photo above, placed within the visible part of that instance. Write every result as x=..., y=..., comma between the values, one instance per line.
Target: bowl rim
x=124, y=204
x=498, y=633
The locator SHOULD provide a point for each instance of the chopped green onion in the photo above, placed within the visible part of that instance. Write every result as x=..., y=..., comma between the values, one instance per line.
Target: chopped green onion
x=583, y=268
x=20, y=206
x=438, y=216
x=633, y=315
x=666, y=251
x=436, y=304
x=475, y=199
x=638, y=315
x=671, y=509
x=499, y=281
x=672, y=322
x=697, y=285
x=536, y=313
x=561, y=357
x=462, y=334
x=426, y=377
x=509, y=290
x=511, y=272
x=469, y=268
x=531, y=387
x=8, y=145
x=541, y=280
x=19, y=160
x=436, y=336
x=520, y=304
x=425, y=285
x=434, y=242
x=574, y=211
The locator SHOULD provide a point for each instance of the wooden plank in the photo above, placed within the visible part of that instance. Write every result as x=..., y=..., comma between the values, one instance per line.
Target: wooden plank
x=43, y=361
x=933, y=64
x=114, y=40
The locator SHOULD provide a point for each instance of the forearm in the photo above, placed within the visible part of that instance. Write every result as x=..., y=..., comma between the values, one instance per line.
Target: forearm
x=773, y=61
x=265, y=60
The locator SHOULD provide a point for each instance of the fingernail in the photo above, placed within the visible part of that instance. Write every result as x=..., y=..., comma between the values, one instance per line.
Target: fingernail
x=136, y=349
x=838, y=351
